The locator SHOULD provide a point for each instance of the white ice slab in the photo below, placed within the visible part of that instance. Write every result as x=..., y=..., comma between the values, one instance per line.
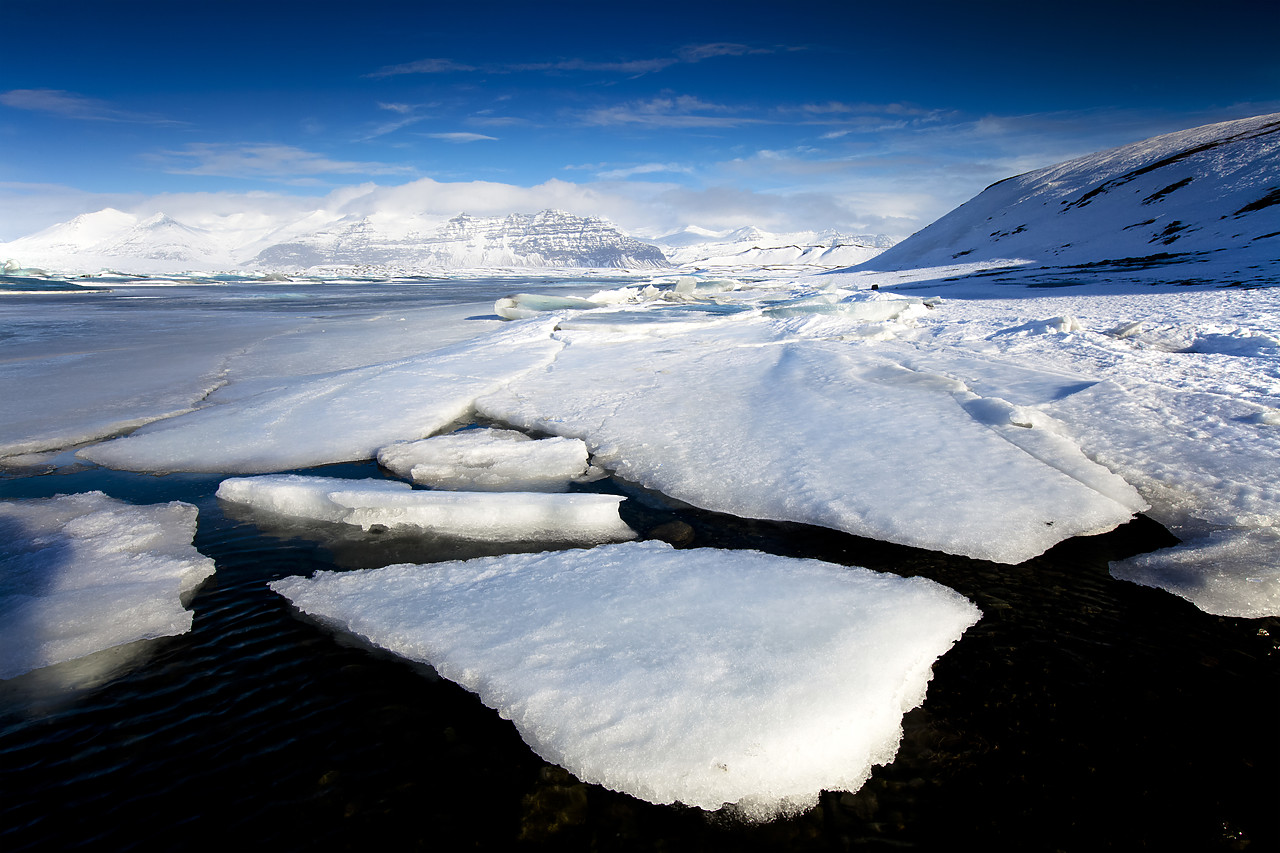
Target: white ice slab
x=492, y=516
x=82, y=573
x=746, y=421
x=485, y=460
x=670, y=675
x=343, y=416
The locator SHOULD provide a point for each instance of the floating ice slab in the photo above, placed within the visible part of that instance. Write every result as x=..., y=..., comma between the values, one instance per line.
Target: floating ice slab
x=674, y=676
x=747, y=421
x=338, y=417
x=484, y=460
x=502, y=516
x=82, y=573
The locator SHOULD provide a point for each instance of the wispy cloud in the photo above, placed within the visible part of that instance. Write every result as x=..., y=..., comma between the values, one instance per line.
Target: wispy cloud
x=70, y=105
x=642, y=169
x=683, y=55
x=460, y=136
x=422, y=66
x=699, y=52
x=668, y=111
x=284, y=163
x=409, y=114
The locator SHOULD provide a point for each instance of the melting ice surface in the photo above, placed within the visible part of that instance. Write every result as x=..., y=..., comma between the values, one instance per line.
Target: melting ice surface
x=82, y=573
x=674, y=676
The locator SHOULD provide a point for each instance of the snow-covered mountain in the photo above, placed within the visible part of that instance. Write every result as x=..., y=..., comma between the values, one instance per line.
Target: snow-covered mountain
x=110, y=237
x=1187, y=194
x=751, y=247
x=552, y=238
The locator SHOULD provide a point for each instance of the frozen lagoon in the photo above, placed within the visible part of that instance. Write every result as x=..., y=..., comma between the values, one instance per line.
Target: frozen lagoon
x=230, y=393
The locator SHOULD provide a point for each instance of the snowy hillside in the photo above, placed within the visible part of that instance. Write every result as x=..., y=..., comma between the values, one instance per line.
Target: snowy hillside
x=1208, y=189
x=161, y=244
x=749, y=247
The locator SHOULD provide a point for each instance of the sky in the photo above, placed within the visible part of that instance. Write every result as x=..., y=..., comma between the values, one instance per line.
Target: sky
x=866, y=118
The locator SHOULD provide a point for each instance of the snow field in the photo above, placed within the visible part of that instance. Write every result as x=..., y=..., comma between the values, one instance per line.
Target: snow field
x=83, y=573
x=674, y=676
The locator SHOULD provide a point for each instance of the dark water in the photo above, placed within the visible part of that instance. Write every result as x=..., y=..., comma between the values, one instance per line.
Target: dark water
x=1081, y=713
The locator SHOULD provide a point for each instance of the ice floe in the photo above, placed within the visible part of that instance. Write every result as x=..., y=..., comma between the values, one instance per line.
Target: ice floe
x=675, y=676
x=502, y=516
x=86, y=572
x=490, y=460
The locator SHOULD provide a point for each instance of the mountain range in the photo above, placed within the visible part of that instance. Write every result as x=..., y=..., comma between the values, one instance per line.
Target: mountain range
x=390, y=243
x=160, y=243
x=1210, y=192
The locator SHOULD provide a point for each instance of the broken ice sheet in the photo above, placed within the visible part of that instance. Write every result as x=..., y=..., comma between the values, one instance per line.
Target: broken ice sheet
x=82, y=573
x=673, y=676
x=748, y=421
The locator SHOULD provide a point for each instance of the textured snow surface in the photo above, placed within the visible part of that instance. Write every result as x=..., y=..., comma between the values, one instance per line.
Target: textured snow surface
x=491, y=516
x=82, y=573
x=675, y=676
x=490, y=460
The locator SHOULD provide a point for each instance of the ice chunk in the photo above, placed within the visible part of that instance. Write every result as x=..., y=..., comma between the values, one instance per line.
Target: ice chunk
x=674, y=676
x=864, y=306
x=521, y=306
x=1063, y=325
x=82, y=573
x=337, y=417
x=814, y=431
x=510, y=516
x=489, y=460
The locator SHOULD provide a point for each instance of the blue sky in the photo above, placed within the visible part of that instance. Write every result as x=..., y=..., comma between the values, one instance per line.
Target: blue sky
x=847, y=115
